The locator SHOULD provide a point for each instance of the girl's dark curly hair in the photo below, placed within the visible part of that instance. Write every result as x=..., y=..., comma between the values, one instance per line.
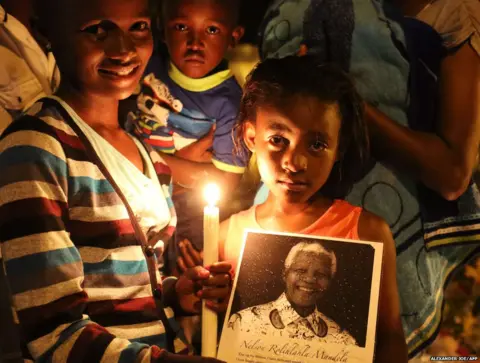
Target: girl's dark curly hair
x=274, y=82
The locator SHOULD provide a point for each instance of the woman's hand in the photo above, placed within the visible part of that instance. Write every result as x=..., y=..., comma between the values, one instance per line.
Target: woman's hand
x=199, y=150
x=212, y=284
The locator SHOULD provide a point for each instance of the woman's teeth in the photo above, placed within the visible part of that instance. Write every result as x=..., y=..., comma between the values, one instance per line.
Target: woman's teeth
x=306, y=289
x=120, y=72
x=124, y=72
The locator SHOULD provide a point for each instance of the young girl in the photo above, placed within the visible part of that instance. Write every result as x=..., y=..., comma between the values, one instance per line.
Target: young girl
x=304, y=123
x=424, y=131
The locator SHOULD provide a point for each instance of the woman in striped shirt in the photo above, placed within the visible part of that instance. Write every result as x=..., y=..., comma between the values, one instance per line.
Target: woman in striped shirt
x=77, y=194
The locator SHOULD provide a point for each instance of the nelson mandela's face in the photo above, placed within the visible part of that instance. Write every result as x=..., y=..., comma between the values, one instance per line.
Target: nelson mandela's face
x=307, y=278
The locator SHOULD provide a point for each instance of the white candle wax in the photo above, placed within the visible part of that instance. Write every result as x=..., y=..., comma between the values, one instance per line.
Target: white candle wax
x=210, y=256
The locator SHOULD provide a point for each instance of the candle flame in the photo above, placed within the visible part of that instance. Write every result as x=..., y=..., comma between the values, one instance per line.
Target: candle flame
x=211, y=194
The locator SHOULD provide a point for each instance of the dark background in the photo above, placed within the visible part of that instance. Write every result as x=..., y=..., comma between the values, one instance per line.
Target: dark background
x=347, y=299
x=251, y=15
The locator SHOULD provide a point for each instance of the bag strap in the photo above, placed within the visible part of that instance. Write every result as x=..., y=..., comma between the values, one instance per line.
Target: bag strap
x=148, y=250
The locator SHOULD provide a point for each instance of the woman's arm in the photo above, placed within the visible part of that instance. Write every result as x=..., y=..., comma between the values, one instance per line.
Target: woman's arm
x=391, y=346
x=191, y=174
x=198, y=164
x=444, y=160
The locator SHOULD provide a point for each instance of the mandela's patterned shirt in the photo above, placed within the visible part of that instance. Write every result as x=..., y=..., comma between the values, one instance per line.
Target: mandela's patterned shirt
x=279, y=319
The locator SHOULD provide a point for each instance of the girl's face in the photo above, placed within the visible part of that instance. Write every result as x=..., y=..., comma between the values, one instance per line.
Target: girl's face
x=296, y=147
x=102, y=46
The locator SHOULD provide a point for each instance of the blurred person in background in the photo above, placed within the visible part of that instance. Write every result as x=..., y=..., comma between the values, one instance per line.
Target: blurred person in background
x=28, y=69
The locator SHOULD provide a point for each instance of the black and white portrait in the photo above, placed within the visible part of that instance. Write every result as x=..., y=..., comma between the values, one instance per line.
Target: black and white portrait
x=308, y=271
x=303, y=288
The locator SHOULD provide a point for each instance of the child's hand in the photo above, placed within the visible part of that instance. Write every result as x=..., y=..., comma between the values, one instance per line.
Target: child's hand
x=199, y=150
x=212, y=284
x=218, y=287
x=189, y=256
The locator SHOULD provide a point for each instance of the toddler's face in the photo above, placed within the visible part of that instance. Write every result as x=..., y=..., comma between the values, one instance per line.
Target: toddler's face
x=296, y=147
x=198, y=33
x=103, y=46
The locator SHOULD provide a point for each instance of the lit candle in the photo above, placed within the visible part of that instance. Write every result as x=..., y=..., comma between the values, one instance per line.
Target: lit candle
x=210, y=256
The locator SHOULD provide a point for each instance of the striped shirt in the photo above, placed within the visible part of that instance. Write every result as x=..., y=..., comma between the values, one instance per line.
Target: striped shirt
x=79, y=280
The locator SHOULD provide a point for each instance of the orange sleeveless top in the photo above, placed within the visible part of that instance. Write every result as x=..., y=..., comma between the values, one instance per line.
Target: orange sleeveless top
x=339, y=221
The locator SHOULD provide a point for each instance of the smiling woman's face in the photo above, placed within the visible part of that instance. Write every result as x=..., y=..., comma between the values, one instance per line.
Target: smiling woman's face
x=102, y=46
x=307, y=278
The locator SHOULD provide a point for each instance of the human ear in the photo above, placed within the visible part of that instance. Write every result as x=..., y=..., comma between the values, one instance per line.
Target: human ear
x=237, y=35
x=249, y=133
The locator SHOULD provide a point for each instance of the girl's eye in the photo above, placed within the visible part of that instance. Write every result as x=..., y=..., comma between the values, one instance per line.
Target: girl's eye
x=213, y=30
x=97, y=30
x=180, y=27
x=278, y=141
x=318, y=146
x=141, y=26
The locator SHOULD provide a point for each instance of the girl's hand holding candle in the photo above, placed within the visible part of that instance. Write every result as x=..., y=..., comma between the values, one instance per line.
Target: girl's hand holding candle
x=217, y=288
x=211, y=284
